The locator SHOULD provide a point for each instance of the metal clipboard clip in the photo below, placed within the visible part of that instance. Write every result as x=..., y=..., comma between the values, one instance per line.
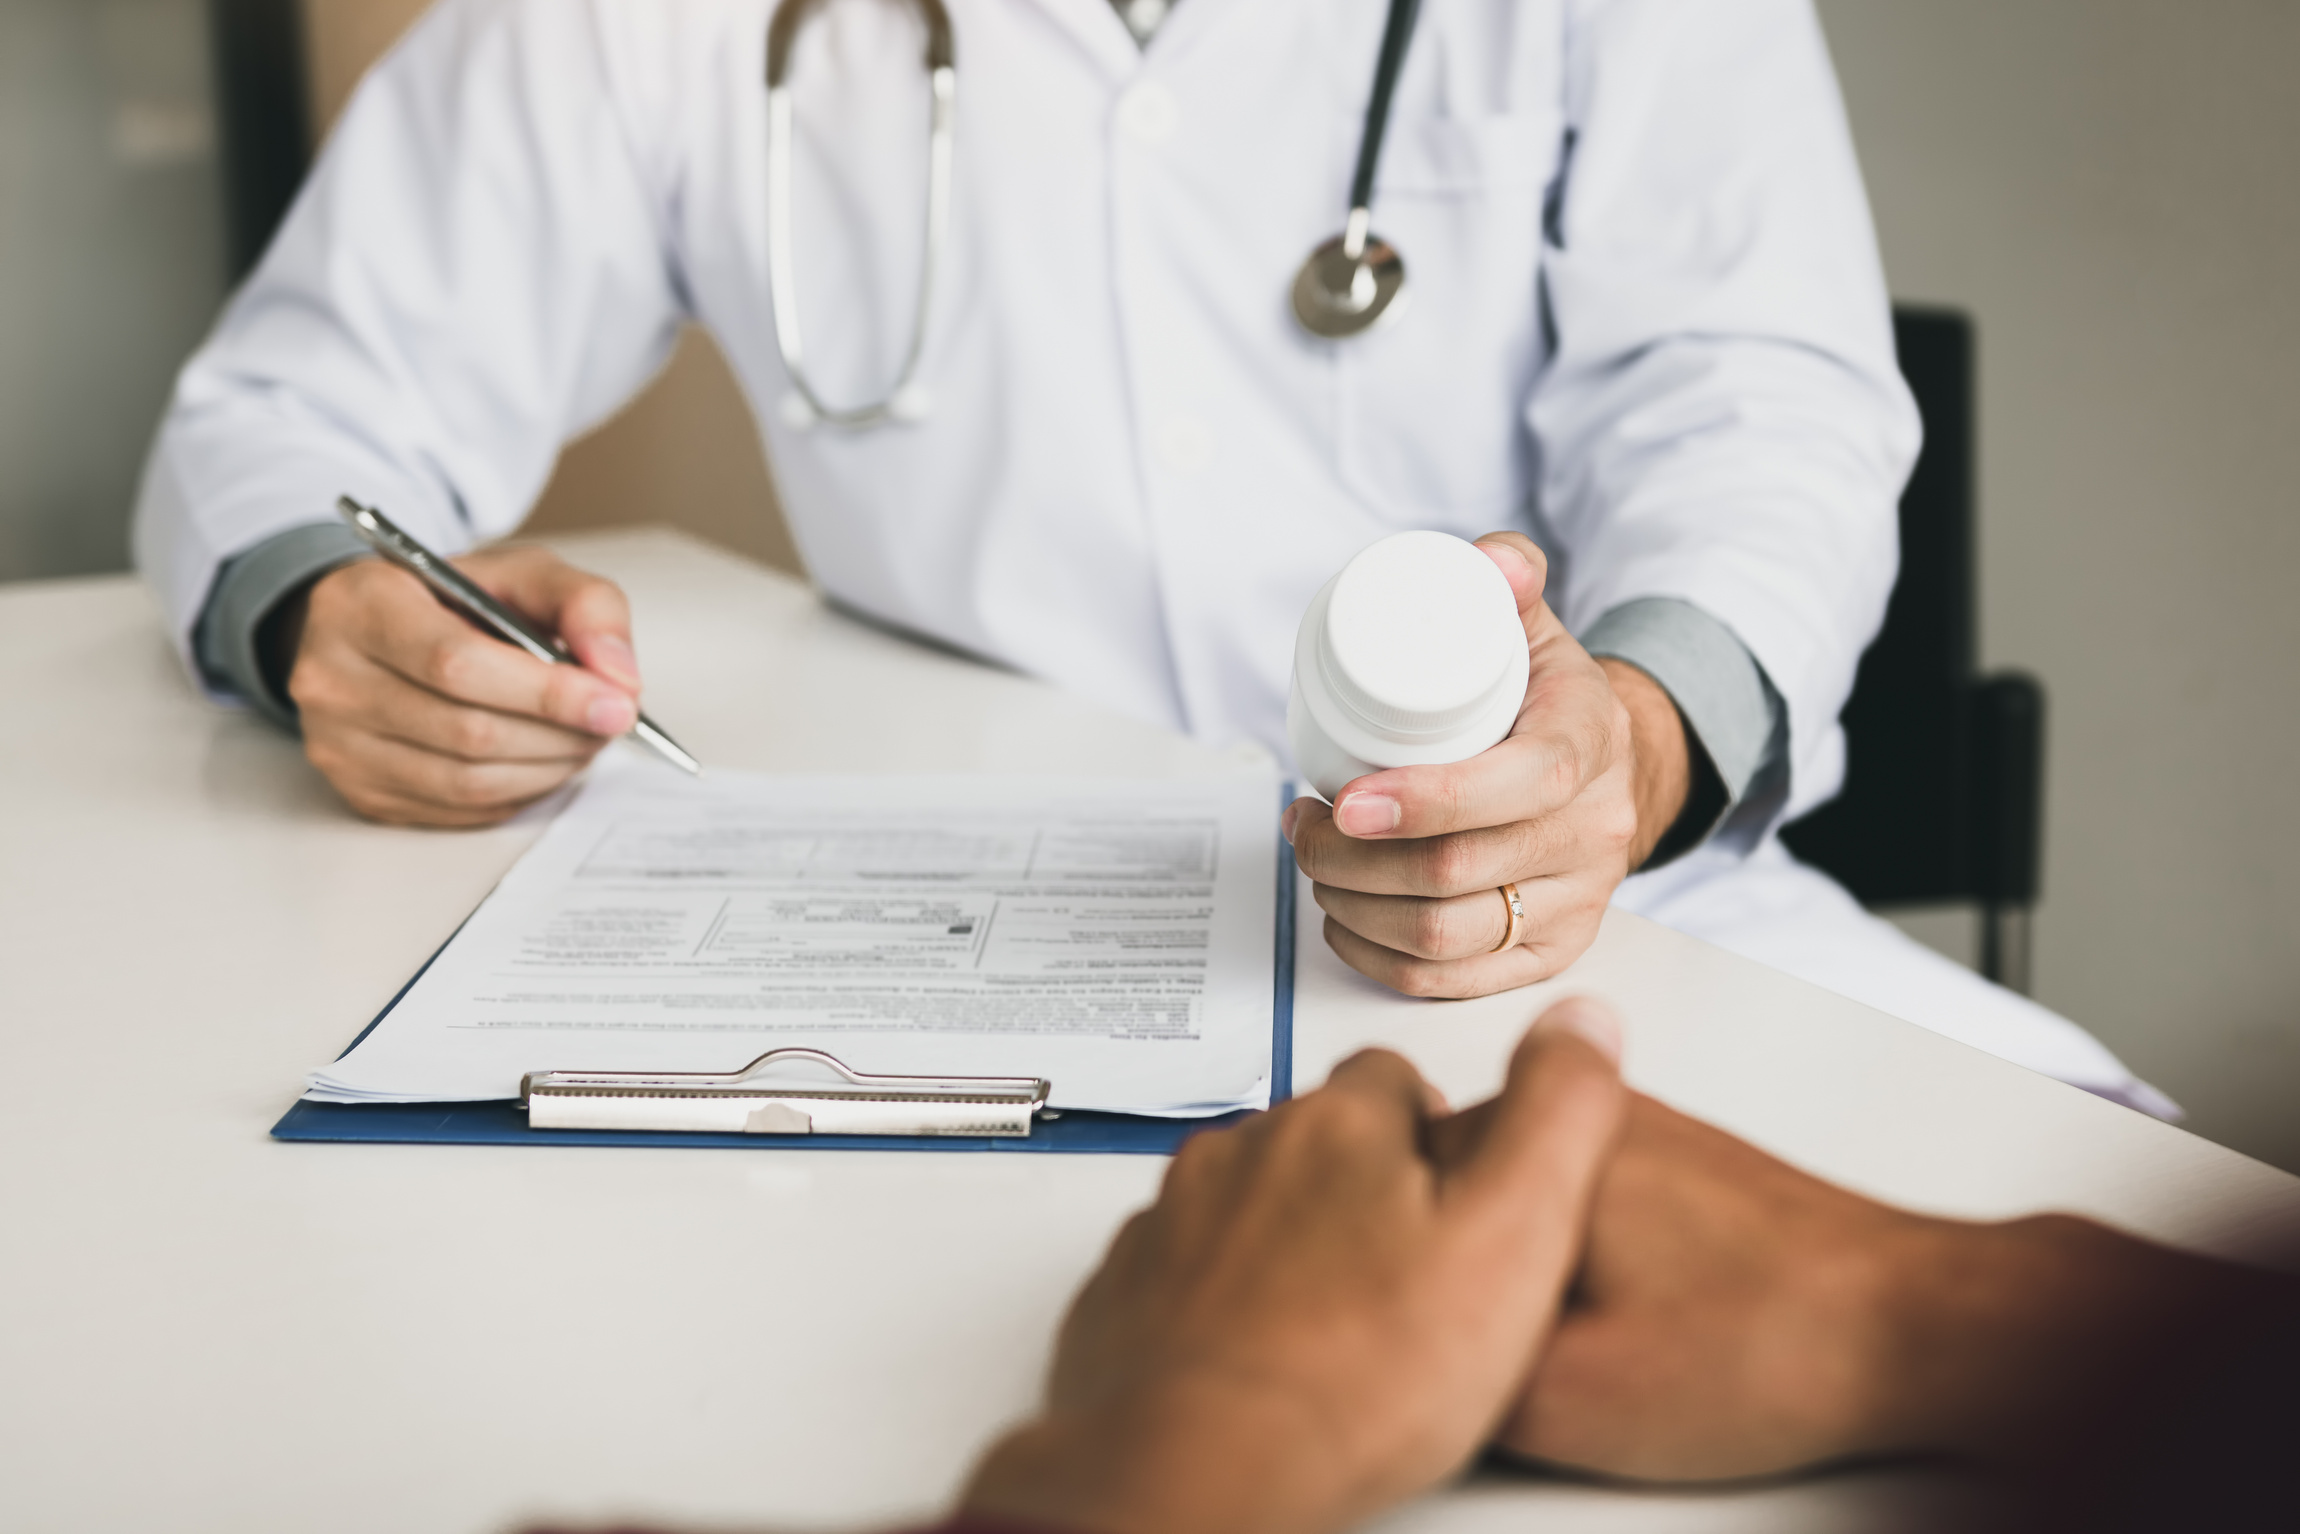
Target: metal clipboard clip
x=783, y=1092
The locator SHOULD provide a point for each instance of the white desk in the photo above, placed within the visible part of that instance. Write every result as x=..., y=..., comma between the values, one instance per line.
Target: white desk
x=203, y=1329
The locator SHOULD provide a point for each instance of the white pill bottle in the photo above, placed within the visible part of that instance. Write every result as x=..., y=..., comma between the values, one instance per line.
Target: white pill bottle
x=1413, y=654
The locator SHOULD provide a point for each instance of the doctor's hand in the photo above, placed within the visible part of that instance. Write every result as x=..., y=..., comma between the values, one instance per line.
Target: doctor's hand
x=1408, y=863
x=418, y=718
x=1318, y=1318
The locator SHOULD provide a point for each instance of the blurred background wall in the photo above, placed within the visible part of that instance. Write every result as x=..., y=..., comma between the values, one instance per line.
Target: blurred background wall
x=2103, y=184
x=111, y=260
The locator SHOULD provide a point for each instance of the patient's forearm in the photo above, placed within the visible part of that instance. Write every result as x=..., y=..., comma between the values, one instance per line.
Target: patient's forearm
x=1735, y=1316
x=1996, y=1333
x=2113, y=1371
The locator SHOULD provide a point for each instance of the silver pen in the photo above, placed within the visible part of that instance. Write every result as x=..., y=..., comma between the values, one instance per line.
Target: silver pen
x=459, y=592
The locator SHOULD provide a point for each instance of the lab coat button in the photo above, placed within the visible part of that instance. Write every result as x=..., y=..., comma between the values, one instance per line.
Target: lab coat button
x=1147, y=113
x=1185, y=444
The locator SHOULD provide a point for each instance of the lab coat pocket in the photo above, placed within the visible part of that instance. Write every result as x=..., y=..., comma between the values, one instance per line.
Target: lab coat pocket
x=1430, y=429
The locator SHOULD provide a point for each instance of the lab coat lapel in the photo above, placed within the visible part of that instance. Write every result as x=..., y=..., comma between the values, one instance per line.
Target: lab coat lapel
x=1094, y=24
x=1189, y=25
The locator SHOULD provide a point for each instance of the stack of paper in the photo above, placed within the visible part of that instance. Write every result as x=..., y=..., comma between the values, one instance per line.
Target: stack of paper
x=1114, y=937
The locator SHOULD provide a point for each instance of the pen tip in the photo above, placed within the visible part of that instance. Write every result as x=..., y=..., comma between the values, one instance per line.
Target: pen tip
x=669, y=750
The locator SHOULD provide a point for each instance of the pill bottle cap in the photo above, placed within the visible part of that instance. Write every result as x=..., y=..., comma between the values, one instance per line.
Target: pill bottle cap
x=1420, y=631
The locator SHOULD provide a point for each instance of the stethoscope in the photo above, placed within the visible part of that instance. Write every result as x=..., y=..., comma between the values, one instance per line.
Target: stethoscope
x=1349, y=284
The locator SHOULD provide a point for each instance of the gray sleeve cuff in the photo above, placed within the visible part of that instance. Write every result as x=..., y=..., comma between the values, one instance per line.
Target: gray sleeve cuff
x=1726, y=700
x=248, y=587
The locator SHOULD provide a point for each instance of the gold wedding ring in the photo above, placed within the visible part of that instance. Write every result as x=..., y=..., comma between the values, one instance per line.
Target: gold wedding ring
x=1516, y=903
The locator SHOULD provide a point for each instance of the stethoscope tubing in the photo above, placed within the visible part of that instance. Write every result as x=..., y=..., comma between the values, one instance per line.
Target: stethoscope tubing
x=1355, y=280
x=782, y=262
x=1349, y=283
x=1397, y=35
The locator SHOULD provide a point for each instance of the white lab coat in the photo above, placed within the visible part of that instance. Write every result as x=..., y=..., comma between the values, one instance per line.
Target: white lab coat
x=1647, y=323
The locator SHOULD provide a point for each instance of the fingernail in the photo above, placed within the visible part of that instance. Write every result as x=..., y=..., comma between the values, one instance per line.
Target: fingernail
x=1593, y=1020
x=613, y=659
x=1286, y=821
x=1368, y=814
x=1514, y=566
x=610, y=714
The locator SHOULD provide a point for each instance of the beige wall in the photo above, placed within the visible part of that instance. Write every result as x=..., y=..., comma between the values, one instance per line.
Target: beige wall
x=111, y=262
x=2106, y=185
x=342, y=38
x=685, y=452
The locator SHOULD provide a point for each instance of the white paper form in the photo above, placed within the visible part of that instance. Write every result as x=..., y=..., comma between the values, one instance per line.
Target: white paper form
x=1113, y=936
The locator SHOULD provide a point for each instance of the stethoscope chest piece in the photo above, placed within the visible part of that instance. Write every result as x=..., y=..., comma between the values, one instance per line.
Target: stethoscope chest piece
x=1355, y=280
x=1338, y=294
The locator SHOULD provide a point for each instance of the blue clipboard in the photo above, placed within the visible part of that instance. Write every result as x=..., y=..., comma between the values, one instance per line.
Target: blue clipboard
x=501, y=1123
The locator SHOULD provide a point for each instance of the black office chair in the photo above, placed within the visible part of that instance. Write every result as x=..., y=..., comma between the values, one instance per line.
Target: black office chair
x=1944, y=774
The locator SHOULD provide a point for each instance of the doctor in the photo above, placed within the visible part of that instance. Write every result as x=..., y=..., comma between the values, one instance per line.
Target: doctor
x=1629, y=312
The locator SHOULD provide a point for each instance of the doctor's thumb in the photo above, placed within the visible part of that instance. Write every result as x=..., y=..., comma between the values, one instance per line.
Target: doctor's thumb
x=595, y=620
x=1521, y=562
x=588, y=612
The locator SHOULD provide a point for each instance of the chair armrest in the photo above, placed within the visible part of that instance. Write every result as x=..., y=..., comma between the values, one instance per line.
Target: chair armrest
x=2007, y=788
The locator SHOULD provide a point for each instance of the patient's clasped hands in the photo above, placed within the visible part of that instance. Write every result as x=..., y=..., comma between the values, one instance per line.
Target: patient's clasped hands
x=1345, y=1301
x=1327, y=1309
